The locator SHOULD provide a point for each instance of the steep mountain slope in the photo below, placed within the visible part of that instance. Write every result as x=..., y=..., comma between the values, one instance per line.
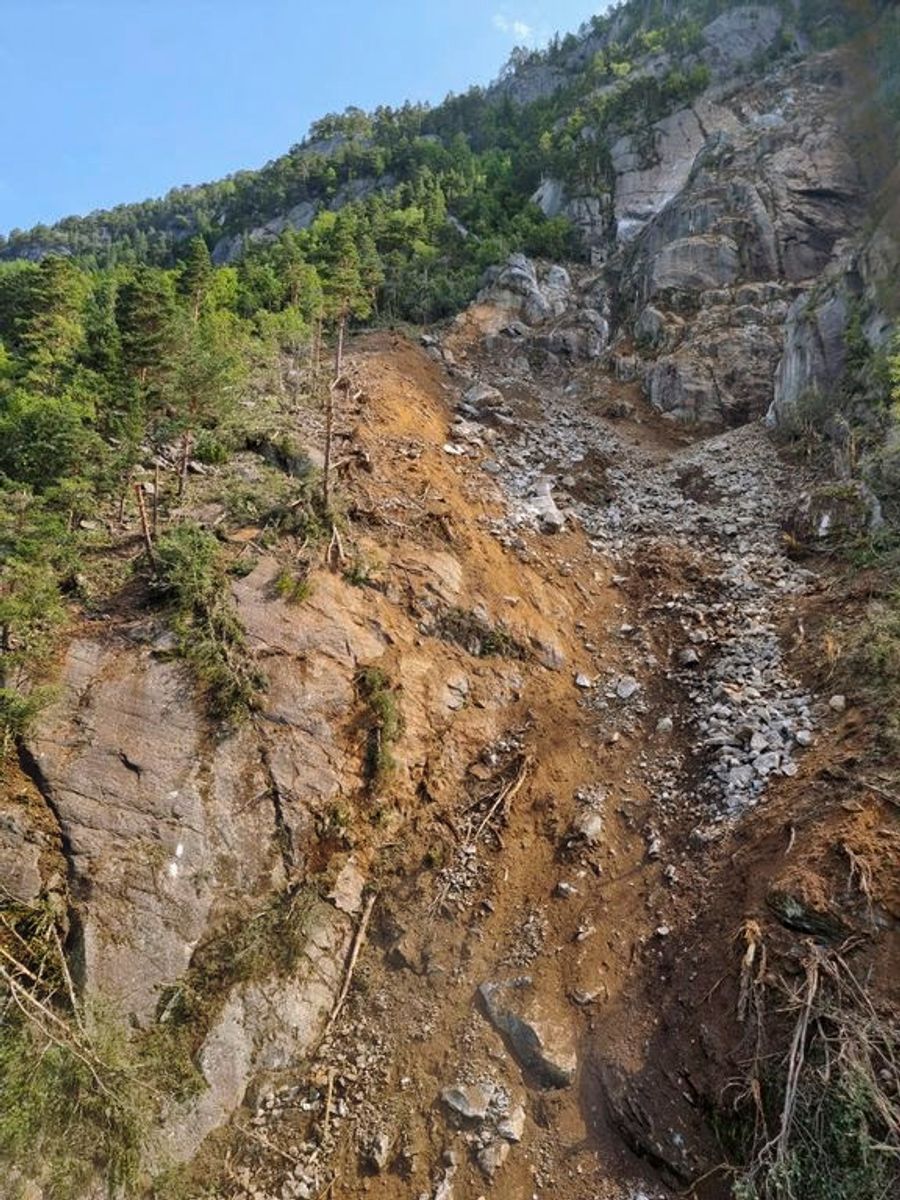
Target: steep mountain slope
x=505, y=818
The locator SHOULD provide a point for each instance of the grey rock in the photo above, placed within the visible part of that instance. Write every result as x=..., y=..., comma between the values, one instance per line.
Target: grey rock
x=470, y=1101
x=588, y=827
x=483, y=396
x=684, y=387
x=492, y=1158
x=694, y=263
x=444, y=1189
x=627, y=687
x=834, y=511
x=377, y=1155
x=348, y=888
x=515, y=286
x=765, y=764
x=512, y=1127
x=737, y=36
x=542, y=1042
x=645, y=184
x=550, y=197
x=549, y=517
x=265, y=1026
x=814, y=354
x=21, y=848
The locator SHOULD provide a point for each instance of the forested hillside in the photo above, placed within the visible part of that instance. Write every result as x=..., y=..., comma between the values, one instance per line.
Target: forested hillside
x=444, y=191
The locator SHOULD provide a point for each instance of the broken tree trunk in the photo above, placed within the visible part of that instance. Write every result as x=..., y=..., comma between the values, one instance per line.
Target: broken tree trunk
x=156, y=500
x=185, y=461
x=145, y=524
x=329, y=414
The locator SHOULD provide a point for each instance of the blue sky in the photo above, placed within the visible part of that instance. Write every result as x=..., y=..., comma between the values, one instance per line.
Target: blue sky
x=107, y=101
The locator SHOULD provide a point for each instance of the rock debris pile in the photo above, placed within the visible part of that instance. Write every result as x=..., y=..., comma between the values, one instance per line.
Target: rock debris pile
x=720, y=504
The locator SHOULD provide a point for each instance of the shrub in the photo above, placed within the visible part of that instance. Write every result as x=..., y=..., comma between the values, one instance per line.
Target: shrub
x=191, y=574
x=43, y=439
x=874, y=660
x=62, y=1120
x=80, y=1093
x=819, y=1118
x=210, y=449
x=71, y=1104
x=271, y=942
x=31, y=619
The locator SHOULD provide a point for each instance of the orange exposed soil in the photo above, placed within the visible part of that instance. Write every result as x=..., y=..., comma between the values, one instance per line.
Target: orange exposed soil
x=644, y=967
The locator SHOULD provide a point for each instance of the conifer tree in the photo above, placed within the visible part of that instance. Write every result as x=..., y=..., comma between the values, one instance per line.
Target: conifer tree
x=196, y=276
x=145, y=316
x=51, y=332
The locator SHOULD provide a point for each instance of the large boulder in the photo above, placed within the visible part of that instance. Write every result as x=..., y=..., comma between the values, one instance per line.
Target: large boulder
x=121, y=759
x=695, y=264
x=264, y=1029
x=550, y=197
x=515, y=286
x=657, y=330
x=834, y=512
x=771, y=195
x=651, y=171
x=165, y=827
x=683, y=386
x=542, y=1040
x=583, y=334
x=743, y=359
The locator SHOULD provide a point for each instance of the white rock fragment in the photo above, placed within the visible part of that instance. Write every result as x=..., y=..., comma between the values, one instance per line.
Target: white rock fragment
x=627, y=687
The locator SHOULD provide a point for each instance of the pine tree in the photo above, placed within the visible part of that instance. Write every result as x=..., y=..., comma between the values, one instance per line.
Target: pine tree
x=145, y=316
x=209, y=367
x=102, y=348
x=196, y=276
x=51, y=331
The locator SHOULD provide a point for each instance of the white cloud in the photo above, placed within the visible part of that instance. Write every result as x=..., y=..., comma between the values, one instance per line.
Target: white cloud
x=520, y=30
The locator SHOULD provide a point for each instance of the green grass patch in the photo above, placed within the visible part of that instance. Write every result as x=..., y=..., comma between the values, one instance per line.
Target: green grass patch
x=383, y=725
x=873, y=661
x=271, y=942
x=80, y=1094
x=474, y=635
x=70, y=1112
x=293, y=586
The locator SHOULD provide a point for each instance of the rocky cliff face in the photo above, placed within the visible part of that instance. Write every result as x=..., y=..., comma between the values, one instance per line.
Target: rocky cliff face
x=730, y=244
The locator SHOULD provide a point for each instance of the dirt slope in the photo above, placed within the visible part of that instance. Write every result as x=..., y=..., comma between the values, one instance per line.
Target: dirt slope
x=620, y=808
x=491, y=864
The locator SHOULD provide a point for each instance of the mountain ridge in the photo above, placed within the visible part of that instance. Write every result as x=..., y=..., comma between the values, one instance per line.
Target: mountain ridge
x=160, y=225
